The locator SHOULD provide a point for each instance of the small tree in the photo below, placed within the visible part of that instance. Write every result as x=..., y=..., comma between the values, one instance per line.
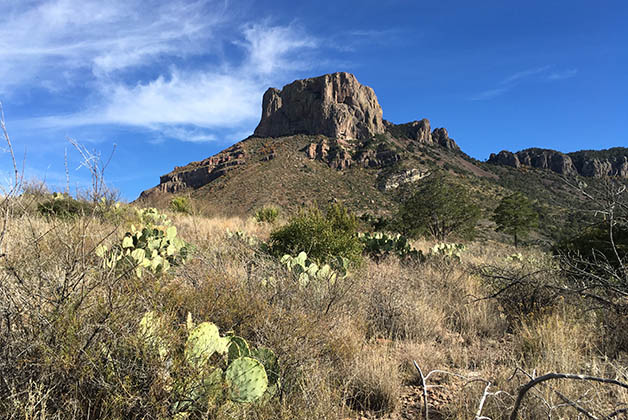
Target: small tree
x=515, y=216
x=438, y=208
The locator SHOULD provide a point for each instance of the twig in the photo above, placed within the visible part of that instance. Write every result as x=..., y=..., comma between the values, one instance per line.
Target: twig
x=549, y=376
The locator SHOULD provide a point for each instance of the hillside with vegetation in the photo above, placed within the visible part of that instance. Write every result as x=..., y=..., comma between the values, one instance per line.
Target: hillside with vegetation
x=365, y=271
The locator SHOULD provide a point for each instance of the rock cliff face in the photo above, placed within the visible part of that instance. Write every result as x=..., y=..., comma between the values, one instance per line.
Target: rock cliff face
x=419, y=131
x=197, y=174
x=335, y=105
x=612, y=162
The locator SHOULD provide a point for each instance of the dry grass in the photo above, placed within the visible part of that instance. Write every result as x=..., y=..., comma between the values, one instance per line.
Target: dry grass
x=342, y=347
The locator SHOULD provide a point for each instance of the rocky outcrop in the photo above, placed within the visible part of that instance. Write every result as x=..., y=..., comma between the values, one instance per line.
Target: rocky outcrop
x=339, y=154
x=612, y=162
x=407, y=177
x=334, y=105
x=197, y=174
x=419, y=131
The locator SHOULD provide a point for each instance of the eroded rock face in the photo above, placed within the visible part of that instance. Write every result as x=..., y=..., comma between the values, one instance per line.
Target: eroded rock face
x=339, y=154
x=419, y=131
x=334, y=105
x=197, y=174
x=577, y=163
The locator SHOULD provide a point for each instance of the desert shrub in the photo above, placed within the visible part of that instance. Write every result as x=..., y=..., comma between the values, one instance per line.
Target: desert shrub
x=63, y=207
x=268, y=214
x=594, y=244
x=323, y=236
x=523, y=287
x=180, y=204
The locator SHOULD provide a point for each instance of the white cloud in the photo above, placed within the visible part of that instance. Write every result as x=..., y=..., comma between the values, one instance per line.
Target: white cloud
x=268, y=47
x=39, y=41
x=150, y=64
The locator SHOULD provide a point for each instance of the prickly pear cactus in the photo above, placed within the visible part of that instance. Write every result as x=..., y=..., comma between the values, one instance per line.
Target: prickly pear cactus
x=246, y=380
x=379, y=245
x=149, y=330
x=447, y=250
x=154, y=247
x=307, y=271
x=203, y=341
x=238, y=347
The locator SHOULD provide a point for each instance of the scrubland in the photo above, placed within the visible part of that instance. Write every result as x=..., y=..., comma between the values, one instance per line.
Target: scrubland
x=70, y=348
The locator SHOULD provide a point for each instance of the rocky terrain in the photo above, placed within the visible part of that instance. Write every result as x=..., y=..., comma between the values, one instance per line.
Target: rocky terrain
x=333, y=120
x=324, y=139
x=588, y=163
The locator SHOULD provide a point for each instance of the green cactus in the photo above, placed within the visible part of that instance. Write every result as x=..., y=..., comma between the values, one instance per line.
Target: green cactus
x=203, y=341
x=448, y=251
x=238, y=347
x=246, y=380
x=307, y=271
x=154, y=247
x=379, y=245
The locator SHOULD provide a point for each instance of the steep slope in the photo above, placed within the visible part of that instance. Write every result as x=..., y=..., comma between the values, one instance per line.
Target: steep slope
x=324, y=139
x=319, y=140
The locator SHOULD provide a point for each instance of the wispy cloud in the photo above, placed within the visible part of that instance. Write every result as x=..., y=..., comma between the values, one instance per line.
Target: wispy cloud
x=123, y=55
x=517, y=77
x=510, y=82
x=560, y=75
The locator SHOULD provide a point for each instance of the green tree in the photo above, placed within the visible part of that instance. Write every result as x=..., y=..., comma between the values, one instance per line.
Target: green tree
x=515, y=216
x=439, y=208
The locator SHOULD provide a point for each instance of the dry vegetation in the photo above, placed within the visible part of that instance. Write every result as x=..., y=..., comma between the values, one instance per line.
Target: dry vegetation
x=69, y=346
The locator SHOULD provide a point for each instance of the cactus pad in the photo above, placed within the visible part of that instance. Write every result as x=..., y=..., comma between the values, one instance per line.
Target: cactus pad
x=246, y=379
x=203, y=342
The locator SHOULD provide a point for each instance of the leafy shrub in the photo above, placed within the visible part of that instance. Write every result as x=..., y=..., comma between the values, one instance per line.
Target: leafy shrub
x=180, y=204
x=323, y=237
x=594, y=243
x=63, y=207
x=267, y=214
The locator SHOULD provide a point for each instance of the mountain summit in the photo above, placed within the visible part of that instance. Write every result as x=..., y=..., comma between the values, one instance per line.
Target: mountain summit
x=325, y=135
x=334, y=105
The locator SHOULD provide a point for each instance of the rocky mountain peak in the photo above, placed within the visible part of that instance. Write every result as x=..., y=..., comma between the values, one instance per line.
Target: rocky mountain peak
x=611, y=162
x=334, y=105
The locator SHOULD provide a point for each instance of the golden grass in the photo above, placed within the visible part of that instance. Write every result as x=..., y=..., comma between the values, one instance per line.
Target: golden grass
x=342, y=348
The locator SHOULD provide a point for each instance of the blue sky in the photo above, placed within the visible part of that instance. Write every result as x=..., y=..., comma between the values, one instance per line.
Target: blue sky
x=171, y=82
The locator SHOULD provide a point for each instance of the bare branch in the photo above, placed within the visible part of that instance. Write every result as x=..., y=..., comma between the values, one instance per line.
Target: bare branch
x=550, y=376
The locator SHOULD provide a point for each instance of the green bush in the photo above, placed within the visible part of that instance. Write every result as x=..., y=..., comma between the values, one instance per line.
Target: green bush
x=64, y=207
x=323, y=236
x=180, y=205
x=268, y=214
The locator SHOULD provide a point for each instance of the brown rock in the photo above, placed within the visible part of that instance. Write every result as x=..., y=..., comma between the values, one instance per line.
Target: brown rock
x=335, y=105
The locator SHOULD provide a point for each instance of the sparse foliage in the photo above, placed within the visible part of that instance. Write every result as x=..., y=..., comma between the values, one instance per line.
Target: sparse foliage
x=515, y=216
x=438, y=208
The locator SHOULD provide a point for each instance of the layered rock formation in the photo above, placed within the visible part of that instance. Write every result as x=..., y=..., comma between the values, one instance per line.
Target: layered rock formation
x=335, y=105
x=339, y=154
x=420, y=132
x=612, y=162
x=197, y=174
